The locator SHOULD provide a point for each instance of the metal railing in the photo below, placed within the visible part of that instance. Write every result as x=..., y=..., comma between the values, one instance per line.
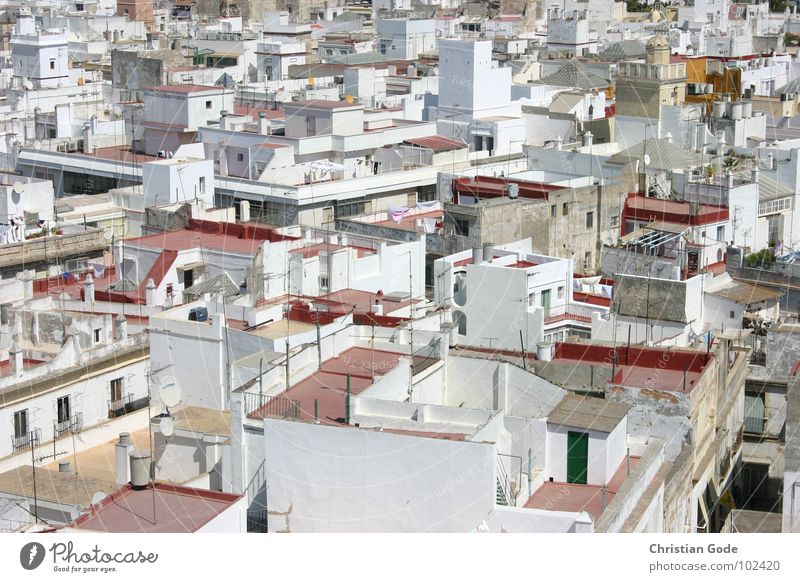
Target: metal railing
x=261, y=406
x=73, y=424
x=32, y=438
x=125, y=405
x=257, y=521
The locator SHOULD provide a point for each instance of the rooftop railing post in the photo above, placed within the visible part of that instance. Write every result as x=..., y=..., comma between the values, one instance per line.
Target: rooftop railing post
x=347, y=402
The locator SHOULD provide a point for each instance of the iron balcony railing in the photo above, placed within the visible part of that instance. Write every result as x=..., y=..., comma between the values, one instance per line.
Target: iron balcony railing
x=73, y=424
x=32, y=438
x=261, y=406
x=125, y=405
x=257, y=521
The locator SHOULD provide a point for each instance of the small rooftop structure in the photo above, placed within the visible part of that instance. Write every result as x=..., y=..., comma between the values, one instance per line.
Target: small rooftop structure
x=588, y=412
x=177, y=510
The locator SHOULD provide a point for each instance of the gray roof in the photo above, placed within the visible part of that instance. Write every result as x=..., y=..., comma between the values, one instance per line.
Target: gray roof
x=588, y=412
x=624, y=49
x=769, y=189
x=124, y=284
x=663, y=155
x=574, y=74
x=790, y=87
x=221, y=282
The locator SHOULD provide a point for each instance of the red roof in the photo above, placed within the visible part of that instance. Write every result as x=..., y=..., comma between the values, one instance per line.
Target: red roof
x=491, y=187
x=255, y=111
x=638, y=207
x=437, y=143
x=177, y=510
x=185, y=88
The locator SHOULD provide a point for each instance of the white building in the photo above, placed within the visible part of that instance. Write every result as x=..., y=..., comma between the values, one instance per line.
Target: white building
x=405, y=39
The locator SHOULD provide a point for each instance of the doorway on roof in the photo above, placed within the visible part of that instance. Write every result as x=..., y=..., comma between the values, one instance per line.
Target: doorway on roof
x=188, y=278
x=577, y=456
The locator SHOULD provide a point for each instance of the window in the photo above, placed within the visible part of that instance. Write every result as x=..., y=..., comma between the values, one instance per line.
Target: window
x=720, y=233
x=323, y=282
x=733, y=314
x=188, y=278
x=62, y=409
x=52, y=64
x=754, y=413
x=565, y=208
x=590, y=220
x=587, y=260
x=560, y=292
x=208, y=104
x=426, y=193
x=97, y=336
x=614, y=221
x=21, y=424
x=531, y=299
x=240, y=157
x=545, y=299
x=553, y=211
x=202, y=185
x=116, y=389
x=462, y=227
x=350, y=207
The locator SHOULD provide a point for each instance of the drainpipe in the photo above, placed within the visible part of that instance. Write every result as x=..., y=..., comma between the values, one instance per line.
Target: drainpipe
x=347, y=402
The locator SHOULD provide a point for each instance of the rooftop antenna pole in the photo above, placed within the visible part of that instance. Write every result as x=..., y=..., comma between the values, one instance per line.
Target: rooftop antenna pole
x=32, y=436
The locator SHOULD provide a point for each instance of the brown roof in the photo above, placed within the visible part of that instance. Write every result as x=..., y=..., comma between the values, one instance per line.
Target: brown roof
x=437, y=143
x=745, y=293
x=588, y=412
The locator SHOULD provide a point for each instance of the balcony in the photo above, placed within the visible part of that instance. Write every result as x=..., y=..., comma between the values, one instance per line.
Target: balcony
x=32, y=438
x=125, y=405
x=258, y=406
x=72, y=425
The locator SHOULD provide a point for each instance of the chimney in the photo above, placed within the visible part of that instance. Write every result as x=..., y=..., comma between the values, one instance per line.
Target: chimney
x=477, y=255
x=222, y=121
x=88, y=148
x=140, y=469
x=63, y=467
x=754, y=174
x=121, y=328
x=587, y=138
x=244, y=211
x=544, y=351
x=15, y=359
x=88, y=289
x=729, y=179
x=121, y=452
x=263, y=123
x=377, y=309
x=150, y=293
x=488, y=252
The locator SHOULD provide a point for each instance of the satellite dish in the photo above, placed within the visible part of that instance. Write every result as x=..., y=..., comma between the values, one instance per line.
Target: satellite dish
x=98, y=497
x=28, y=85
x=37, y=145
x=167, y=426
x=18, y=187
x=169, y=392
x=646, y=159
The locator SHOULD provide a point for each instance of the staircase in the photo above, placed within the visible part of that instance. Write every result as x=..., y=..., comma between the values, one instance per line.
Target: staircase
x=501, y=497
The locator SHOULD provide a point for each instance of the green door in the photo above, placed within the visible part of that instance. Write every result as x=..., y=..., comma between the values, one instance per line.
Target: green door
x=546, y=302
x=577, y=456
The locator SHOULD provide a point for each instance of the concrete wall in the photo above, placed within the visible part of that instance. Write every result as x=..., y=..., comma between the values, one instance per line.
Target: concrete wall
x=336, y=479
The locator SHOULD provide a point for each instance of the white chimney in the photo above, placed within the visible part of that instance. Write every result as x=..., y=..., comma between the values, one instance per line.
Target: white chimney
x=88, y=289
x=150, y=293
x=263, y=123
x=754, y=174
x=244, y=211
x=88, y=147
x=121, y=328
x=122, y=465
x=15, y=359
x=544, y=351
x=377, y=308
x=140, y=468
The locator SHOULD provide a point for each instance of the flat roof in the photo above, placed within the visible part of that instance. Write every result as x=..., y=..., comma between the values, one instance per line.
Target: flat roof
x=205, y=420
x=328, y=385
x=53, y=486
x=437, y=143
x=282, y=328
x=574, y=497
x=179, y=240
x=323, y=104
x=185, y=88
x=745, y=293
x=588, y=412
x=121, y=153
x=178, y=509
